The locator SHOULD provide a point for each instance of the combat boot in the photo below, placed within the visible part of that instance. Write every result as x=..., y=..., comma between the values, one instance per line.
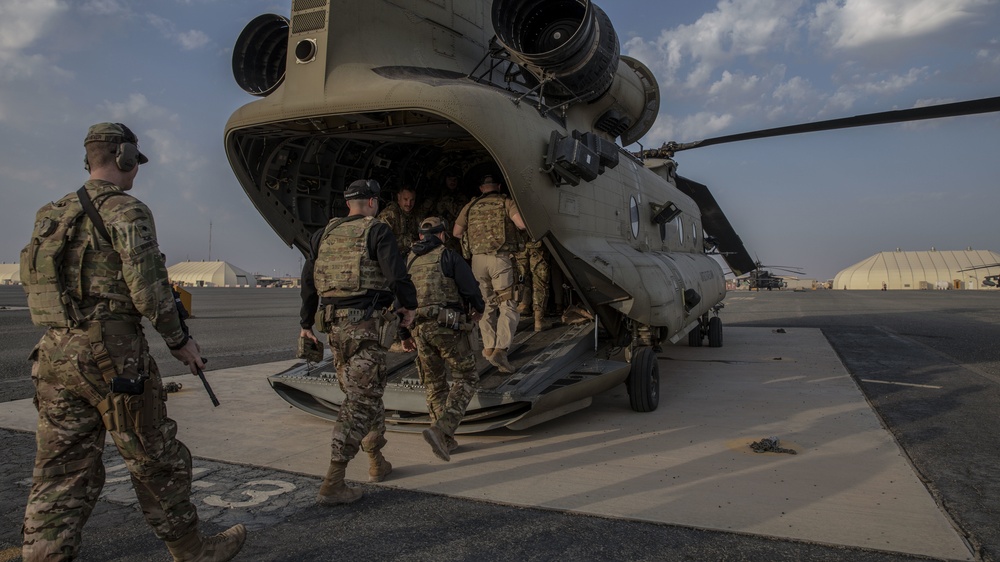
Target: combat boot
x=499, y=360
x=541, y=323
x=451, y=443
x=218, y=548
x=438, y=442
x=378, y=467
x=333, y=490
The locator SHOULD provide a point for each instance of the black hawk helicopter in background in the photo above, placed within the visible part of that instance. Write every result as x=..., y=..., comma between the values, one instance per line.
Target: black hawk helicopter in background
x=991, y=279
x=761, y=278
x=538, y=92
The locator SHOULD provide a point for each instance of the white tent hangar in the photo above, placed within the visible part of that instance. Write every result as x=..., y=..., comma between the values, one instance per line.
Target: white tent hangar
x=920, y=270
x=210, y=274
x=10, y=274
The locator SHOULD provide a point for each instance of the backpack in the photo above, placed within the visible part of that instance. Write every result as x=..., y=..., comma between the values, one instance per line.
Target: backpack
x=44, y=270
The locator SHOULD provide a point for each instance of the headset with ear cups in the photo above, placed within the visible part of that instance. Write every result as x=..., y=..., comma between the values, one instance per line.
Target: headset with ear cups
x=126, y=151
x=127, y=156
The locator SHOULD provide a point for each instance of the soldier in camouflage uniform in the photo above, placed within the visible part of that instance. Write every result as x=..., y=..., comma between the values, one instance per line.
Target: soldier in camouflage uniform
x=92, y=296
x=352, y=273
x=402, y=219
x=533, y=264
x=447, y=204
x=492, y=221
x=446, y=289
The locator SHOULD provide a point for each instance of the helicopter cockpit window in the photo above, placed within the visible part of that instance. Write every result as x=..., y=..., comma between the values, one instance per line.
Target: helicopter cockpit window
x=633, y=210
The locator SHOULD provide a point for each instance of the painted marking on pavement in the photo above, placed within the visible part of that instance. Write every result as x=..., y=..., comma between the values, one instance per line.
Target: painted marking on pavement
x=902, y=384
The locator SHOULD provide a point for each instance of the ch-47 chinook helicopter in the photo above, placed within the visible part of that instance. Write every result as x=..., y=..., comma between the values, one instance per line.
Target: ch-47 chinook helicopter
x=534, y=89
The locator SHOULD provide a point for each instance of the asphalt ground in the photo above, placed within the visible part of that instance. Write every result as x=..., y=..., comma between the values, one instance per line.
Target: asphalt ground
x=927, y=361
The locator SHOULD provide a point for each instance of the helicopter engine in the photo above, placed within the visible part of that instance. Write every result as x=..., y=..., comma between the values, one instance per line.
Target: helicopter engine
x=570, y=51
x=259, y=55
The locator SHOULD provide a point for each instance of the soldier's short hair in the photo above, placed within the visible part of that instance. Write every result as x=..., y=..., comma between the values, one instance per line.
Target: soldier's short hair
x=488, y=178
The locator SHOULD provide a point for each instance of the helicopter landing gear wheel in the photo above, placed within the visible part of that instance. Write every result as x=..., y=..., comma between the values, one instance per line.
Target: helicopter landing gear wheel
x=715, y=332
x=643, y=381
x=695, y=336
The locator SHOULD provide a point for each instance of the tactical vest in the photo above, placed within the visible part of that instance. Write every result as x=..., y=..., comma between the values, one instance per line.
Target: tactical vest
x=433, y=288
x=343, y=268
x=65, y=276
x=489, y=228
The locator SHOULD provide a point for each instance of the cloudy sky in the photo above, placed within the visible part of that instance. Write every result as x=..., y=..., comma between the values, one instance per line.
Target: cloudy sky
x=820, y=201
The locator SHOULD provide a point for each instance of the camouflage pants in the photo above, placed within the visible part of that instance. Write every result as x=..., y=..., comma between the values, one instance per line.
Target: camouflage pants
x=437, y=347
x=533, y=264
x=69, y=474
x=496, y=275
x=360, y=361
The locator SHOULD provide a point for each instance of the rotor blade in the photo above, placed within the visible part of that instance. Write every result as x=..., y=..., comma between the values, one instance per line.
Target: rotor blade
x=715, y=223
x=973, y=107
x=981, y=267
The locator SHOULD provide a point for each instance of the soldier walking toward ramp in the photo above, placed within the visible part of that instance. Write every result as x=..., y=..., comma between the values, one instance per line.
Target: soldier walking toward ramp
x=92, y=270
x=446, y=288
x=491, y=221
x=352, y=273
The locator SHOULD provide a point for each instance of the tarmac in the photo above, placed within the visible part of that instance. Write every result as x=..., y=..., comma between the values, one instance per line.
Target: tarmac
x=688, y=463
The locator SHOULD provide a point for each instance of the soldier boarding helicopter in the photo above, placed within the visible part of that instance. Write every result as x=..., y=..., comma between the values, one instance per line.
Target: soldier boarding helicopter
x=535, y=90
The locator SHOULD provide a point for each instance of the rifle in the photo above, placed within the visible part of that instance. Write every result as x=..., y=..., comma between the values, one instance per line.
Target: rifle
x=208, y=387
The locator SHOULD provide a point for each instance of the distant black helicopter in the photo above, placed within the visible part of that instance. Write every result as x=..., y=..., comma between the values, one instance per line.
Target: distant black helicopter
x=989, y=280
x=760, y=278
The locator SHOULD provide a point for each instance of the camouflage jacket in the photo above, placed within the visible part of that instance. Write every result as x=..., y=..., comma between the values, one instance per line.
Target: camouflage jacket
x=126, y=279
x=404, y=225
x=447, y=206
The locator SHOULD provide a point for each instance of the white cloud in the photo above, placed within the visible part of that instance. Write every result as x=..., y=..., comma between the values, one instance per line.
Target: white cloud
x=192, y=39
x=737, y=28
x=850, y=24
x=991, y=54
x=134, y=108
x=21, y=23
x=188, y=40
x=105, y=7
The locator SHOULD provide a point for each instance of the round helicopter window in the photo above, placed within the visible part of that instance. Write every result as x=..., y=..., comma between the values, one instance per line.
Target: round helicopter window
x=633, y=210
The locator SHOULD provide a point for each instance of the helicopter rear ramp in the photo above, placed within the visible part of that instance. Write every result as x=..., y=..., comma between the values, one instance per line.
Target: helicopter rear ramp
x=556, y=372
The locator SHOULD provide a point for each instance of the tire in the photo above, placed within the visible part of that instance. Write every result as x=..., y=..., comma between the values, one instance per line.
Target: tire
x=644, y=381
x=695, y=337
x=715, y=332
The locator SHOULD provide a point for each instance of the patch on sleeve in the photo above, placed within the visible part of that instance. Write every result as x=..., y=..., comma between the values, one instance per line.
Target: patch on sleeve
x=133, y=215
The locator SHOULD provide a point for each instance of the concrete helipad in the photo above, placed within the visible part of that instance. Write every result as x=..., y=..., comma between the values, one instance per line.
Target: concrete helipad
x=688, y=463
